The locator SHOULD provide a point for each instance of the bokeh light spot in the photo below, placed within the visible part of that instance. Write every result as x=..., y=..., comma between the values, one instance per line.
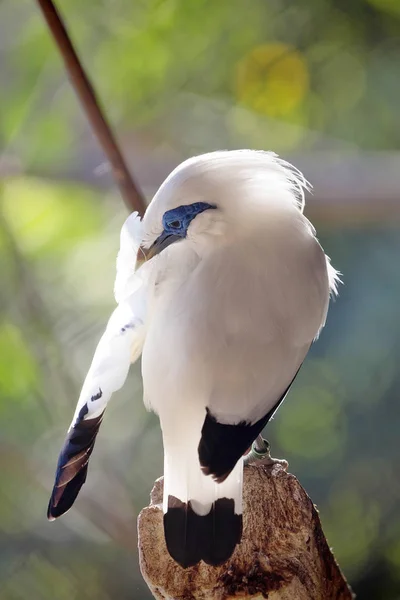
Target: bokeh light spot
x=351, y=527
x=389, y=6
x=43, y=215
x=314, y=426
x=272, y=79
x=18, y=371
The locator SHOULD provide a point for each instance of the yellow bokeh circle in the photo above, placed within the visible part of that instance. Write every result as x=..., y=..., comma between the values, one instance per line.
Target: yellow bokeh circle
x=272, y=79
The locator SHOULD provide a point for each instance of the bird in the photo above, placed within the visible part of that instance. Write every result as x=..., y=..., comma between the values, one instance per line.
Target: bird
x=221, y=287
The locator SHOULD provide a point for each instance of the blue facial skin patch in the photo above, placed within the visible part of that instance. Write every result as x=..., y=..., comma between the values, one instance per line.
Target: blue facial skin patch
x=177, y=220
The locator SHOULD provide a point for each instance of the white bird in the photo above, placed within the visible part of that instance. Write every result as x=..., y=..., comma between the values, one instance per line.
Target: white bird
x=222, y=287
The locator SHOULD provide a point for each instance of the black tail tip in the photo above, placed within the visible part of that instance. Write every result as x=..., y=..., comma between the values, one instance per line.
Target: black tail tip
x=191, y=538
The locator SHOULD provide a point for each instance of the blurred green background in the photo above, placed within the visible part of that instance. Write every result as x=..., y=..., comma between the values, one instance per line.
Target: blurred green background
x=316, y=81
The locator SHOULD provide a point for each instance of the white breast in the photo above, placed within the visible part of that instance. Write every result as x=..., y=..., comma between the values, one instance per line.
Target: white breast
x=230, y=331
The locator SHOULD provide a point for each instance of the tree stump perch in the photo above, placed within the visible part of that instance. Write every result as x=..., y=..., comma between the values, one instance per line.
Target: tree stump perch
x=283, y=554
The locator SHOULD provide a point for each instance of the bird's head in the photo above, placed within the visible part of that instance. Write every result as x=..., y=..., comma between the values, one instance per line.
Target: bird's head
x=218, y=195
x=179, y=223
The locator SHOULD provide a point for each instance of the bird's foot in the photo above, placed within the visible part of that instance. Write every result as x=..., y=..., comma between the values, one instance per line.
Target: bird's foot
x=259, y=454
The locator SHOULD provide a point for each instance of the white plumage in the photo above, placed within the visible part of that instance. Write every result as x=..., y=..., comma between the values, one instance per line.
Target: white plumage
x=230, y=293
x=122, y=341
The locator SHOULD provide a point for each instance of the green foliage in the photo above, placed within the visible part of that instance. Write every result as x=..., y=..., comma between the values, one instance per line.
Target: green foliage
x=18, y=374
x=48, y=219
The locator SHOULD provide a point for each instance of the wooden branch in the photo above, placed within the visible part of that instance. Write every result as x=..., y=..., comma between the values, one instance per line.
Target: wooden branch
x=86, y=94
x=283, y=554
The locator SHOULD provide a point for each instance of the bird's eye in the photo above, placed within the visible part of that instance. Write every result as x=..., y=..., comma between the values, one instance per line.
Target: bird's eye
x=174, y=224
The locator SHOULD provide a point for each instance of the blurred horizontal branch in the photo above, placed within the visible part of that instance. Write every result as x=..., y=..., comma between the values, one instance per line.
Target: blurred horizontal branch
x=348, y=190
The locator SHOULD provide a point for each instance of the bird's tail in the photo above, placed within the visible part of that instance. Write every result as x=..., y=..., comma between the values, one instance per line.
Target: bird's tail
x=202, y=518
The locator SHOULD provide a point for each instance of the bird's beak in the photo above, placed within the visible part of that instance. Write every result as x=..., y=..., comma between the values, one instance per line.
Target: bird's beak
x=162, y=242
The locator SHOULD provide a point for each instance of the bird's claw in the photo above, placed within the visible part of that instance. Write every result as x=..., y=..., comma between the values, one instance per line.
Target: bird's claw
x=260, y=454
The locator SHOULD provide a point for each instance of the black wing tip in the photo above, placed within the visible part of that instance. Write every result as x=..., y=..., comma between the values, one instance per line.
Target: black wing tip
x=215, y=476
x=221, y=444
x=212, y=538
x=73, y=464
x=53, y=513
x=63, y=498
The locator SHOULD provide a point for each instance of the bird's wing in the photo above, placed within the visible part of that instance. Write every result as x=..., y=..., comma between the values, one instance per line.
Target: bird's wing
x=107, y=374
x=120, y=345
x=221, y=445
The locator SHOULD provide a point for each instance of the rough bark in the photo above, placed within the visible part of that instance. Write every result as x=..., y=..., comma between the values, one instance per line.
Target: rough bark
x=283, y=554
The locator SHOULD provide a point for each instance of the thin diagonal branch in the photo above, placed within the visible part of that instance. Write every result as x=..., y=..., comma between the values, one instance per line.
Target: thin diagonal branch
x=129, y=190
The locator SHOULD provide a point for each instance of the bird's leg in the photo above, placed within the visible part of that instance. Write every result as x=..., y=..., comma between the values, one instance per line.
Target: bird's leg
x=259, y=454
